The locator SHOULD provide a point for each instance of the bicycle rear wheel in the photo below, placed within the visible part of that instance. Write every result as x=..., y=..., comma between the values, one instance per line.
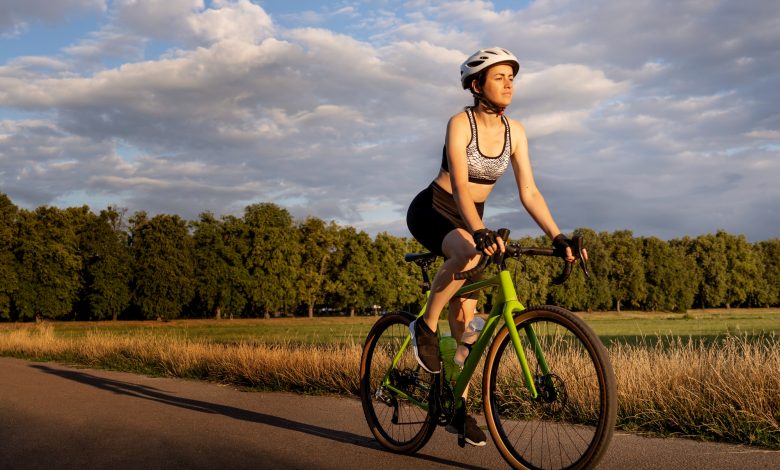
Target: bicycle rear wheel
x=570, y=423
x=394, y=397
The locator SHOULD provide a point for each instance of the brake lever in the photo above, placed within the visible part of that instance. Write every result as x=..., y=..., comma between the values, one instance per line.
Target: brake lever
x=579, y=241
x=498, y=257
x=577, y=249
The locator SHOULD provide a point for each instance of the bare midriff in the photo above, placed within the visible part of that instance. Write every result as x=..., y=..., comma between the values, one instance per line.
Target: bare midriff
x=479, y=192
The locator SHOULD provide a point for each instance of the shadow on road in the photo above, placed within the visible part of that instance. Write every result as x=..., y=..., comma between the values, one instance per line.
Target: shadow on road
x=157, y=395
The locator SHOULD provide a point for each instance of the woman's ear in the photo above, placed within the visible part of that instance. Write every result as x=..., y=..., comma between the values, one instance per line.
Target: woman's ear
x=475, y=86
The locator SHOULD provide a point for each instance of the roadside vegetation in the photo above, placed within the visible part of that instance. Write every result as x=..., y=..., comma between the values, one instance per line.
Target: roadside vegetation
x=719, y=381
x=74, y=264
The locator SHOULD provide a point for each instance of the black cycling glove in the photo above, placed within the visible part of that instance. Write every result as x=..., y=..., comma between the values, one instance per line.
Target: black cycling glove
x=483, y=238
x=560, y=243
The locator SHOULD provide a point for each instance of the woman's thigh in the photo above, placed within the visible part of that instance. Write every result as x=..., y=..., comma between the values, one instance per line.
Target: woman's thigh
x=458, y=245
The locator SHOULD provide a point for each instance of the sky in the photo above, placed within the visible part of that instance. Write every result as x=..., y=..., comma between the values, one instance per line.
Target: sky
x=659, y=117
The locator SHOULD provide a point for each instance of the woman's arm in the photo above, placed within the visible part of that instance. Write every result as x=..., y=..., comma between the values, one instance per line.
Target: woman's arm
x=530, y=196
x=458, y=136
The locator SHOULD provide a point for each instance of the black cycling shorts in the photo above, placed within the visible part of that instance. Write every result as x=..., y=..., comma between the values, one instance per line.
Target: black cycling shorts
x=432, y=215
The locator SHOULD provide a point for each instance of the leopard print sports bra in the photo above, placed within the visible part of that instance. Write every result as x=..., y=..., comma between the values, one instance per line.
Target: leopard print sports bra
x=483, y=169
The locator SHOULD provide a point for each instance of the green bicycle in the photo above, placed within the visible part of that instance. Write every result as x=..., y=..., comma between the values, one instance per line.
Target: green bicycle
x=548, y=388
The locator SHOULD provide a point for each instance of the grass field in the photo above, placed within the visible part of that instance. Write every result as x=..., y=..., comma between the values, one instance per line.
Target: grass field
x=626, y=327
x=707, y=374
x=708, y=325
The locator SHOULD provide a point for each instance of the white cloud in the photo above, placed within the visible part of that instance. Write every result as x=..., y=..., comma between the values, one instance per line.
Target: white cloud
x=192, y=22
x=768, y=134
x=157, y=19
x=539, y=125
x=239, y=21
x=16, y=14
x=638, y=117
x=107, y=43
x=179, y=23
x=553, y=90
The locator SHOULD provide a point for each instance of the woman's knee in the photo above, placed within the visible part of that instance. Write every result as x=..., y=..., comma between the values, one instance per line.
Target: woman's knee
x=459, y=249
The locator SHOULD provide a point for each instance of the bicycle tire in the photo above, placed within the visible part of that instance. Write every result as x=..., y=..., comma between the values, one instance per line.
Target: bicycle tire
x=398, y=425
x=570, y=425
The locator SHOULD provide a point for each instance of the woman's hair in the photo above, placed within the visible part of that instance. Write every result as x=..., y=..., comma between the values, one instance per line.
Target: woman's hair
x=481, y=79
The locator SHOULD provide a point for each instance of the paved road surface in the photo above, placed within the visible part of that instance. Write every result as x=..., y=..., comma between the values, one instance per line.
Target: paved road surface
x=52, y=417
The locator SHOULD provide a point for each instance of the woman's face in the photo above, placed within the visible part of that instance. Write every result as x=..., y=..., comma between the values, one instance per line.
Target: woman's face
x=498, y=84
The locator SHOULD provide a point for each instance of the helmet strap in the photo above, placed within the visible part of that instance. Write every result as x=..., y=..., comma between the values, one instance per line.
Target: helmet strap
x=489, y=105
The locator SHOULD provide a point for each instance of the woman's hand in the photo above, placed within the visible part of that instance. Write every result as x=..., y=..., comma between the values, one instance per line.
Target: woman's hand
x=488, y=242
x=562, y=246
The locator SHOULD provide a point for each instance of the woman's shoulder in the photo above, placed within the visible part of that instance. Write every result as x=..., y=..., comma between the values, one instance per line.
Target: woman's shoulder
x=459, y=120
x=516, y=127
x=460, y=116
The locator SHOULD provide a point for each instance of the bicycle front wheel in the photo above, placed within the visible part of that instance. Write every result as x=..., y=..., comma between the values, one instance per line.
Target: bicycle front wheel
x=395, y=396
x=570, y=423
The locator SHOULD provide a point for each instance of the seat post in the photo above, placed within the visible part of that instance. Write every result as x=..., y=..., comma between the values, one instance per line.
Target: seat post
x=426, y=284
x=423, y=260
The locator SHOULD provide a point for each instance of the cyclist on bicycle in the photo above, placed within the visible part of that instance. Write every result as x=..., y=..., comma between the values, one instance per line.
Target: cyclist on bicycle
x=446, y=217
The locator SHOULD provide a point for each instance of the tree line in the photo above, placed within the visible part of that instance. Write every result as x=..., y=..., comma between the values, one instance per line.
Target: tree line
x=74, y=264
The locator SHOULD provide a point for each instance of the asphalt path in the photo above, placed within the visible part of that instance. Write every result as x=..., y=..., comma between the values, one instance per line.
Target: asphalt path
x=54, y=416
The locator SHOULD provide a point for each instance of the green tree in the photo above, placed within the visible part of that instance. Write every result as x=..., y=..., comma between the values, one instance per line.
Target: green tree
x=8, y=228
x=162, y=253
x=767, y=291
x=532, y=273
x=318, y=247
x=353, y=273
x=658, y=264
x=669, y=274
x=626, y=270
x=49, y=266
x=599, y=291
x=107, y=266
x=410, y=290
x=743, y=268
x=411, y=297
x=683, y=295
x=709, y=251
x=220, y=276
x=393, y=286
x=272, y=259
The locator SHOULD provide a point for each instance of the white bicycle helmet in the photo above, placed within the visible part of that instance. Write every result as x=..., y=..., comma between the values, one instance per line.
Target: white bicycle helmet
x=482, y=59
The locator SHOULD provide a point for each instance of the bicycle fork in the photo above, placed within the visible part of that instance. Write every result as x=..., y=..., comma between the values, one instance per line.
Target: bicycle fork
x=512, y=305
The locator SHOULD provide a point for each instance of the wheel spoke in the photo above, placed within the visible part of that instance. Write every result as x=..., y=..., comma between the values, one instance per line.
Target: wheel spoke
x=571, y=420
x=397, y=423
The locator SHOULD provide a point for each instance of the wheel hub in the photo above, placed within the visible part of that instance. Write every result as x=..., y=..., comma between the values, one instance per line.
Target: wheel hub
x=552, y=392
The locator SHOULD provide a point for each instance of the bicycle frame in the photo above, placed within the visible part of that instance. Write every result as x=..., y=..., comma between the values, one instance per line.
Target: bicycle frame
x=505, y=308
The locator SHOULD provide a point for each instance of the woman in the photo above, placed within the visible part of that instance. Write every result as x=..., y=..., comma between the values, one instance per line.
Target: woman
x=446, y=217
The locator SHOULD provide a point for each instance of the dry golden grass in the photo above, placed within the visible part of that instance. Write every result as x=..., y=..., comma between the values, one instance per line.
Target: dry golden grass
x=274, y=366
x=728, y=390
